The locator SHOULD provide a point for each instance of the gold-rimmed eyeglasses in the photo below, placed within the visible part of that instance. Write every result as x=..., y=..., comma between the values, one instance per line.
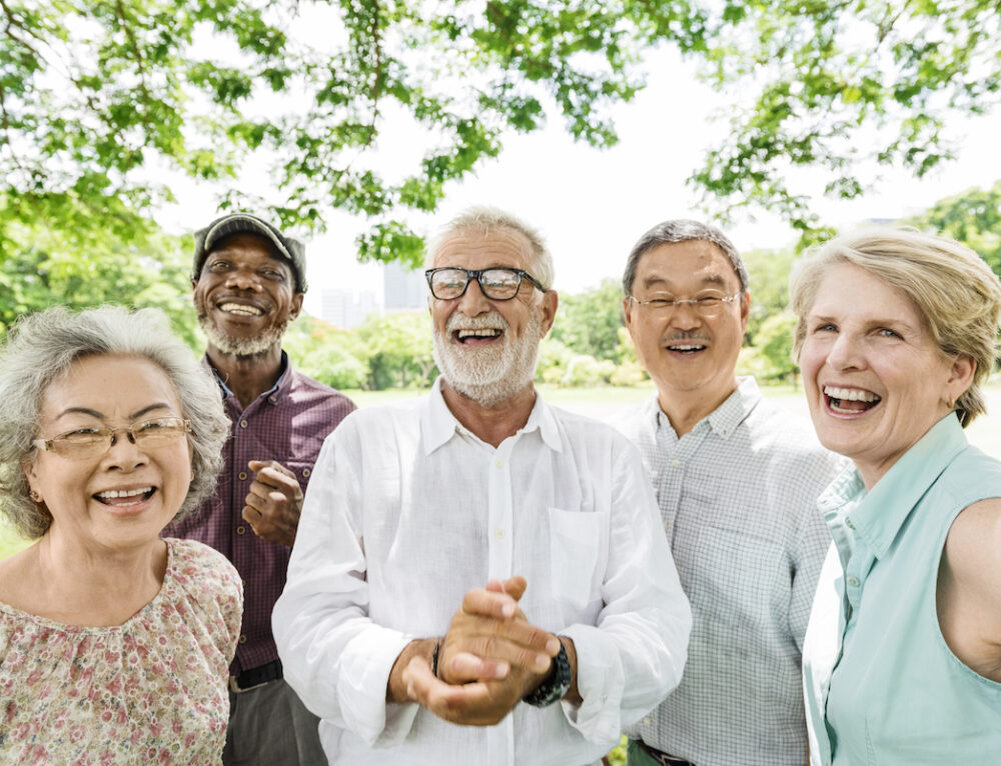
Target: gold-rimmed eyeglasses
x=93, y=441
x=705, y=305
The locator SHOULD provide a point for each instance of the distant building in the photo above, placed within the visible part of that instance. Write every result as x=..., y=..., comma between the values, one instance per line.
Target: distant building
x=404, y=289
x=346, y=308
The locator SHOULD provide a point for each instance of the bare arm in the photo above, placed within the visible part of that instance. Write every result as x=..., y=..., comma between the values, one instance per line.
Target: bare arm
x=969, y=588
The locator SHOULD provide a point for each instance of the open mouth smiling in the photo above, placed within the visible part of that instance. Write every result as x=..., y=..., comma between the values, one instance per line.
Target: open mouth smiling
x=686, y=348
x=240, y=309
x=850, y=401
x=124, y=498
x=477, y=335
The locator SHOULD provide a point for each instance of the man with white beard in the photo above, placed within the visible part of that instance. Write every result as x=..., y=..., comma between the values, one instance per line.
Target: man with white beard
x=476, y=549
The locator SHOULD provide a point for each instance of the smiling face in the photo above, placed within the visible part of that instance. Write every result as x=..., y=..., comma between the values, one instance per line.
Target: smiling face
x=125, y=496
x=245, y=296
x=875, y=379
x=486, y=349
x=690, y=356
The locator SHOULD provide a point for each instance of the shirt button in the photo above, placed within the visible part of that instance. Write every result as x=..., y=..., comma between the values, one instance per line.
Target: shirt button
x=647, y=721
x=853, y=582
x=499, y=534
x=675, y=463
x=848, y=523
x=667, y=526
x=305, y=472
x=243, y=424
x=240, y=530
x=498, y=464
x=242, y=475
x=272, y=398
x=243, y=639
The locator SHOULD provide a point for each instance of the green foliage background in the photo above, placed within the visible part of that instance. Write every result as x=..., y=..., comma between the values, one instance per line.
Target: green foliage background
x=105, y=105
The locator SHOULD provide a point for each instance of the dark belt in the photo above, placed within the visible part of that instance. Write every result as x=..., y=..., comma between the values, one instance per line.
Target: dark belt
x=662, y=758
x=251, y=679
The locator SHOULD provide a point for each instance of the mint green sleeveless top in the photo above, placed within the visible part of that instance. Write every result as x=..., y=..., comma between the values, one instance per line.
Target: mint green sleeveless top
x=882, y=686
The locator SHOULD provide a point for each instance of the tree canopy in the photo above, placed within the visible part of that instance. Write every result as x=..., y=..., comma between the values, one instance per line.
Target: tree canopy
x=100, y=98
x=973, y=218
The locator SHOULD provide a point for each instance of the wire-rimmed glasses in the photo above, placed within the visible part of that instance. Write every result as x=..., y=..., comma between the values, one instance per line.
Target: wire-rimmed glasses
x=93, y=441
x=707, y=304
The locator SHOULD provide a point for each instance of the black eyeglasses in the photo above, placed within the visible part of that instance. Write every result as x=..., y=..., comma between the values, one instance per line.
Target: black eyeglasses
x=497, y=283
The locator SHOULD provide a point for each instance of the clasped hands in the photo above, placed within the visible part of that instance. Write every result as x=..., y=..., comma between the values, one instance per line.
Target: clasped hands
x=489, y=659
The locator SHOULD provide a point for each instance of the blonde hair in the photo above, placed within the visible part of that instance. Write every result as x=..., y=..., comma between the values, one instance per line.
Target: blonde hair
x=957, y=294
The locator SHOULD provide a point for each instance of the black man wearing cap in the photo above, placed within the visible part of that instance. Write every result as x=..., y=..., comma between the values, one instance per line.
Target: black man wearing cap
x=248, y=283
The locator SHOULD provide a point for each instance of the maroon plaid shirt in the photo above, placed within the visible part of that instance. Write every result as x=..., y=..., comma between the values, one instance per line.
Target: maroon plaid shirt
x=287, y=424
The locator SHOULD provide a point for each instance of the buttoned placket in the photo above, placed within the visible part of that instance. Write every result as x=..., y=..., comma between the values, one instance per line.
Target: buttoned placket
x=857, y=559
x=500, y=517
x=675, y=454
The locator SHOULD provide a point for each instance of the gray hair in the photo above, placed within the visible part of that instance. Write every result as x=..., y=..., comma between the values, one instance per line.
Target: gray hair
x=43, y=346
x=487, y=219
x=681, y=230
x=956, y=293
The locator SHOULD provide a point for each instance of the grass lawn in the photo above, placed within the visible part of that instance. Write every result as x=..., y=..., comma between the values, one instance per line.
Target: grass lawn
x=10, y=541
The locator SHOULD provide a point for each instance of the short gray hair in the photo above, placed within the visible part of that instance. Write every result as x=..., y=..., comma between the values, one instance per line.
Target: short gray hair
x=957, y=294
x=42, y=346
x=681, y=230
x=487, y=219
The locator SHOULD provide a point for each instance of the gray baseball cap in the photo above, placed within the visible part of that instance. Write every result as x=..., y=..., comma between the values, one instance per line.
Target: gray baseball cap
x=244, y=223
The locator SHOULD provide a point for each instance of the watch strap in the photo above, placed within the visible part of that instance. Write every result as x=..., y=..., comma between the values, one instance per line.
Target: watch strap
x=555, y=685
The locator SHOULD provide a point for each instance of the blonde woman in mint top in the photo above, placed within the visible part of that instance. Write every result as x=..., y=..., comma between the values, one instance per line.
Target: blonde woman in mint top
x=902, y=661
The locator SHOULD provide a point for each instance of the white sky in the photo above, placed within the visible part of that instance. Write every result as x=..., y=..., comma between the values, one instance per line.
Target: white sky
x=591, y=205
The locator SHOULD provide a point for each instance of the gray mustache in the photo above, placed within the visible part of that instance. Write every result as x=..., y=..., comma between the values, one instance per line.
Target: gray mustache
x=681, y=337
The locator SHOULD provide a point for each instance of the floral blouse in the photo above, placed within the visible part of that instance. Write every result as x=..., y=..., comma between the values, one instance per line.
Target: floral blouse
x=149, y=691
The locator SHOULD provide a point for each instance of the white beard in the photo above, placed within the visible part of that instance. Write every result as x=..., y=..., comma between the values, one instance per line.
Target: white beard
x=242, y=347
x=490, y=374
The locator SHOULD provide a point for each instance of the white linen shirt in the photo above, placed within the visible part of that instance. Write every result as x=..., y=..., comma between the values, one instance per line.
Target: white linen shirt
x=407, y=510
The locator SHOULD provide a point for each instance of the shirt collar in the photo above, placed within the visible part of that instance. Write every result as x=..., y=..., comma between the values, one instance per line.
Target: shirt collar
x=725, y=419
x=439, y=425
x=279, y=389
x=879, y=516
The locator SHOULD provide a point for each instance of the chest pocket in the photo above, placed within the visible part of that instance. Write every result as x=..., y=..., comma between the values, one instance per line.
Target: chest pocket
x=578, y=550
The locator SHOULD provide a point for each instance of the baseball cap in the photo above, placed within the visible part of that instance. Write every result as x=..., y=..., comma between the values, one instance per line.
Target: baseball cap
x=244, y=223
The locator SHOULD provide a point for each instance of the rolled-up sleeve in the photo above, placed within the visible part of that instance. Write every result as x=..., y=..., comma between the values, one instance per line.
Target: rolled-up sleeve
x=336, y=659
x=634, y=655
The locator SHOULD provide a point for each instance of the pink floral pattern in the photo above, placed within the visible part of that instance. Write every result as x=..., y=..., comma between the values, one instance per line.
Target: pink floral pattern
x=149, y=691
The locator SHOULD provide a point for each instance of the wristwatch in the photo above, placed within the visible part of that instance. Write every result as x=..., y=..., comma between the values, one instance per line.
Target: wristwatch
x=553, y=686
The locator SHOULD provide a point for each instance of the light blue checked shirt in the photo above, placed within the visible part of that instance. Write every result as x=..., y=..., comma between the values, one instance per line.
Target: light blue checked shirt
x=737, y=495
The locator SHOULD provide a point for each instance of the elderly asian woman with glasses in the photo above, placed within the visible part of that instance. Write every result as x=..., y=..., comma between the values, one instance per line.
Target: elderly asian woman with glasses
x=114, y=643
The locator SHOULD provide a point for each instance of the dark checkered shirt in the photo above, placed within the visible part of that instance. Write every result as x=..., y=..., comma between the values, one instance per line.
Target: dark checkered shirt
x=287, y=424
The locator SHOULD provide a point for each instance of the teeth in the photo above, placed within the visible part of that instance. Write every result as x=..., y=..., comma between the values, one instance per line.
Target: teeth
x=113, y=493
x=483, y=332
x=850, y=394
x=692, y=347
x=239, y=308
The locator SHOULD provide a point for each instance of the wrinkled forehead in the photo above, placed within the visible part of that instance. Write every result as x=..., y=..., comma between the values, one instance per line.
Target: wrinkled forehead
x=690, y=264
x=477, y=248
